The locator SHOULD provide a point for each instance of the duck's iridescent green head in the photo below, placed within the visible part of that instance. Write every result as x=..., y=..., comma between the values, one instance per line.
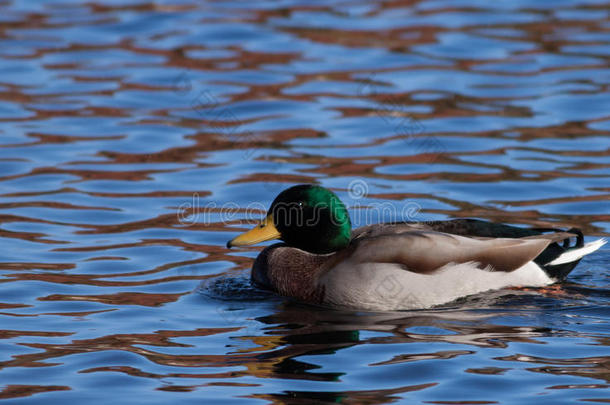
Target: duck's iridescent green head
x=307, y=217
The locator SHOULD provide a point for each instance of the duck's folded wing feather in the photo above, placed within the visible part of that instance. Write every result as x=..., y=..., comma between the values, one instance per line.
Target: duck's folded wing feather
x=473, y=228
x=426, y=252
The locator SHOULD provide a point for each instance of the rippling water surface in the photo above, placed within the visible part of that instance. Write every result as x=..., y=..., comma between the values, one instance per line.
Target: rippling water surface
x=136, y=138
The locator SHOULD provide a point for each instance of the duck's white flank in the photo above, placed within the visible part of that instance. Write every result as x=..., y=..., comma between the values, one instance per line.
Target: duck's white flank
x=389, y=286
x=577, y=254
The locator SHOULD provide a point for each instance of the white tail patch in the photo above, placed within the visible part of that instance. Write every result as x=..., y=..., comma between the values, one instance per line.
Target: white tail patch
x=577, y=254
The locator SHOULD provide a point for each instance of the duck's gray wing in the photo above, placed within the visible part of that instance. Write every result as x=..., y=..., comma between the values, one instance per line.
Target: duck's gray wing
x=427, y=251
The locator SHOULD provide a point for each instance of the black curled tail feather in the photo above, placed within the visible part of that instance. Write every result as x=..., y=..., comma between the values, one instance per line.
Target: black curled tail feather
x=580, y=239
x=554, y=250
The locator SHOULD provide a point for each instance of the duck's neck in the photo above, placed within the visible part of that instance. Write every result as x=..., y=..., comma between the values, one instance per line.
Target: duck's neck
x=291, y=272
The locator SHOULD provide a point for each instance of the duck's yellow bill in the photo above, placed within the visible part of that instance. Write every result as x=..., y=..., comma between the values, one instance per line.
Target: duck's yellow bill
x=260, y=233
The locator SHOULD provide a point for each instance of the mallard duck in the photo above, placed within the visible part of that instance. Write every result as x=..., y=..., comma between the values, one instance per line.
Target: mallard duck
x=394, y=266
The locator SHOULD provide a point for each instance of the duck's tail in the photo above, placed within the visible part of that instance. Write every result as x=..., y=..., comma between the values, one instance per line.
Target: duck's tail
x=559, y=260
x=576, y=254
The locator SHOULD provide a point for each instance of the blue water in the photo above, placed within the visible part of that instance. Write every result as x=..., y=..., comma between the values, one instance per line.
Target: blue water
x=136, y=138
